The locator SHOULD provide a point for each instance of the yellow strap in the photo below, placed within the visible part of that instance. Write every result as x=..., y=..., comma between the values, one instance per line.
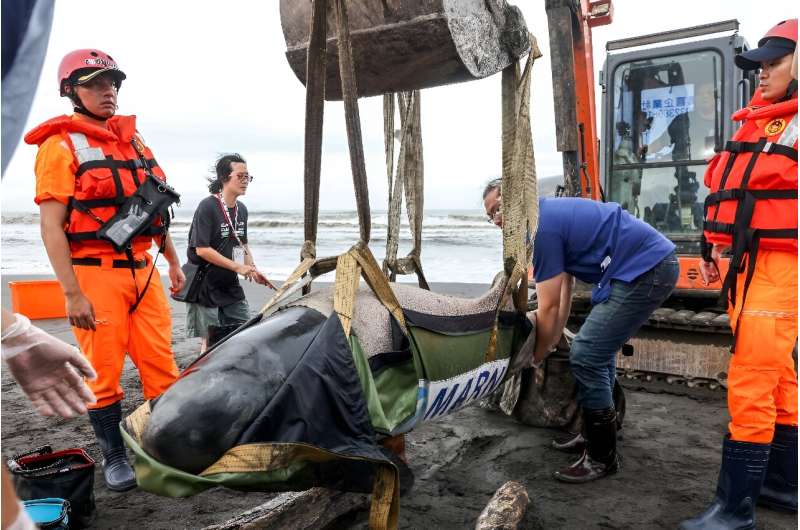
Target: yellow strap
x=137, y=420
x=344, y=298
x=267, y=456
x=409, y=178
x=378, y=283
x=316, y=65
x=298, y=273
x=385, y=506
x=356, y=262
x=351, y=119
x=309, y=250
x=520, y=205
x=511, y=281
x=517, y=162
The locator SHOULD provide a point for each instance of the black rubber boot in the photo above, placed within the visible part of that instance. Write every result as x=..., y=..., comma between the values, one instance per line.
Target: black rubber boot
x=573, y=442
x=779, y=491
x=600, y=456
x=743, y=468
x=116, y=469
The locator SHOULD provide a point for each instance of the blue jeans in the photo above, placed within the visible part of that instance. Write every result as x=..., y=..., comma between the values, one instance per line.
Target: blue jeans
x=593, y=356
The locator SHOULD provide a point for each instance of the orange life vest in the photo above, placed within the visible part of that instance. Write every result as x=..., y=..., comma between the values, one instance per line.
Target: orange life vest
x=109, y=170
x=752, y=202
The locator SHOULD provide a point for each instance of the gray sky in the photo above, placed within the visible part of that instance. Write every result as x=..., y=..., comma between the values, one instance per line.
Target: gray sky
x=204, y=79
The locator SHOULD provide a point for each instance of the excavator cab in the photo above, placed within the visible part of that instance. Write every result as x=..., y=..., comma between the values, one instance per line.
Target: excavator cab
x=666, y=112
x=666, y=107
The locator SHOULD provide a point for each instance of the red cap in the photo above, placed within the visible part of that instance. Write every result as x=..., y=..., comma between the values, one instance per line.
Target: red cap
x=779, y=41
x=786, y=29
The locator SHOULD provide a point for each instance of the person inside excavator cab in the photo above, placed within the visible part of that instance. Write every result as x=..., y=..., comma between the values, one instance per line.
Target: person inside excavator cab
x=626, y=186
x=672, y=119
x=690, y=135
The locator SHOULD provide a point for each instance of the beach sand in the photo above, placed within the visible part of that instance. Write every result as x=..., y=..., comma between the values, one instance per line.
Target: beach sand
x=670, y=450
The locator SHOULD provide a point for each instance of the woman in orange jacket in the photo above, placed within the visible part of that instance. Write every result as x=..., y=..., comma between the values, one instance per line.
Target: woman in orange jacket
x=751, y=212
x=88, y=166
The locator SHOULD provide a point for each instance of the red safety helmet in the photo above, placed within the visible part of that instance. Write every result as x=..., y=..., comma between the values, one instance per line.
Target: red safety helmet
x=779, y=41
x=81, y=66
x=786, y=29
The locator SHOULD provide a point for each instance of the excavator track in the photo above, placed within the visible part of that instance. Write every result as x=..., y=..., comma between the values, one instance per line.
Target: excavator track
x=678, y=350
x=678, y=347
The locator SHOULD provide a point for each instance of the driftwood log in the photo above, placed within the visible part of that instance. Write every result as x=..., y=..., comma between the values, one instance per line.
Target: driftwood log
x=506, y=510
x=310, y=509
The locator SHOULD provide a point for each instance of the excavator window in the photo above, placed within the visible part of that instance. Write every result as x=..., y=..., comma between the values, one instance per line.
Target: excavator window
x=666, y=126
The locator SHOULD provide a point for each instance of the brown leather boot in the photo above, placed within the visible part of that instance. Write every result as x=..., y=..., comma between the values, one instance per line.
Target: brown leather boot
x=600, y=456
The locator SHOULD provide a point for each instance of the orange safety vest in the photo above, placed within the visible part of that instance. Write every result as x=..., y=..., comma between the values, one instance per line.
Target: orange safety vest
x=752, y=201
x=109, y=170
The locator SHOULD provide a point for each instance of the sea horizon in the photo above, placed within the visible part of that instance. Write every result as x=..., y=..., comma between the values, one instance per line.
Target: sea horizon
x=458, y=245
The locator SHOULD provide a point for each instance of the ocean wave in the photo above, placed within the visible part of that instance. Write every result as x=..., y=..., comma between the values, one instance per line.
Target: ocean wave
x=474, y=218
x=275, y=212
x=272, y=223
x=276, y=219
x=21, y=218
x=377, y=241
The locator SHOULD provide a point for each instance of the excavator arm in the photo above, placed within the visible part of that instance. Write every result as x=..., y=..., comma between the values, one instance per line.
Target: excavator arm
x=570, y=23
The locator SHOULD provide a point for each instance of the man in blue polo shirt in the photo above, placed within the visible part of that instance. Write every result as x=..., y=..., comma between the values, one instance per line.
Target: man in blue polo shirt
x=633, y=269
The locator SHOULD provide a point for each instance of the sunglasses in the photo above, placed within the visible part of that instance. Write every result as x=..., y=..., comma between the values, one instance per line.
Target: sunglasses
x=496, y=215
x=247, y=177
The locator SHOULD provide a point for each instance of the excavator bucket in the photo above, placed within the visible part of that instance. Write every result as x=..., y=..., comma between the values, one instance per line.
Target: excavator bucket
x=402, y=45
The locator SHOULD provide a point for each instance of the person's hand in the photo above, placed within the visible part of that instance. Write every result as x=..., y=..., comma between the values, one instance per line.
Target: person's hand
x=563, y=343
x=538, y=362
x=49, y=371
x=80, y=311
x=709, y=270
x=245, y=270
x=259, y=277
x=534, y=362
x=176, y=277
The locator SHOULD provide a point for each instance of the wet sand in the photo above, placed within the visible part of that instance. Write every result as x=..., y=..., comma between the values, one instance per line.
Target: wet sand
x=670, y=449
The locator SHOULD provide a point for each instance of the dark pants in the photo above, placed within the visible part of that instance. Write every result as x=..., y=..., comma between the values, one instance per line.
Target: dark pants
x=610, y=324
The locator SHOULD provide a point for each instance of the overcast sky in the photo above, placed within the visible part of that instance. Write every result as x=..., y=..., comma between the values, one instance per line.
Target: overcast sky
x=209, y=77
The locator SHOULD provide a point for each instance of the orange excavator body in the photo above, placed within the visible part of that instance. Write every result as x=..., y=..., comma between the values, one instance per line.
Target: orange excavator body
x=688, y=339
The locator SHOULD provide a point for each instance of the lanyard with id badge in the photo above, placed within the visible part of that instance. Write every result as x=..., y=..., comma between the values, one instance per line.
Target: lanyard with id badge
x=239, y=251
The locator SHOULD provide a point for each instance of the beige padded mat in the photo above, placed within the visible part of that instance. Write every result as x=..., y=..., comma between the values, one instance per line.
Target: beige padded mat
x=371, y=322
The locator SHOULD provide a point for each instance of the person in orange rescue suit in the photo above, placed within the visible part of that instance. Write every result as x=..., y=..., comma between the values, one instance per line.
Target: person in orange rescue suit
x=751, y=212
x=87, y=165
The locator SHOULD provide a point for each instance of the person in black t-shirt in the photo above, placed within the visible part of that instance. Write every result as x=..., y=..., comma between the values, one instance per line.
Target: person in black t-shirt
x=218, y=236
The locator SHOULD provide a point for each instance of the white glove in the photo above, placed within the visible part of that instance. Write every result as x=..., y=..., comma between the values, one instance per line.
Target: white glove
x=661, y=153
x=47, y=369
